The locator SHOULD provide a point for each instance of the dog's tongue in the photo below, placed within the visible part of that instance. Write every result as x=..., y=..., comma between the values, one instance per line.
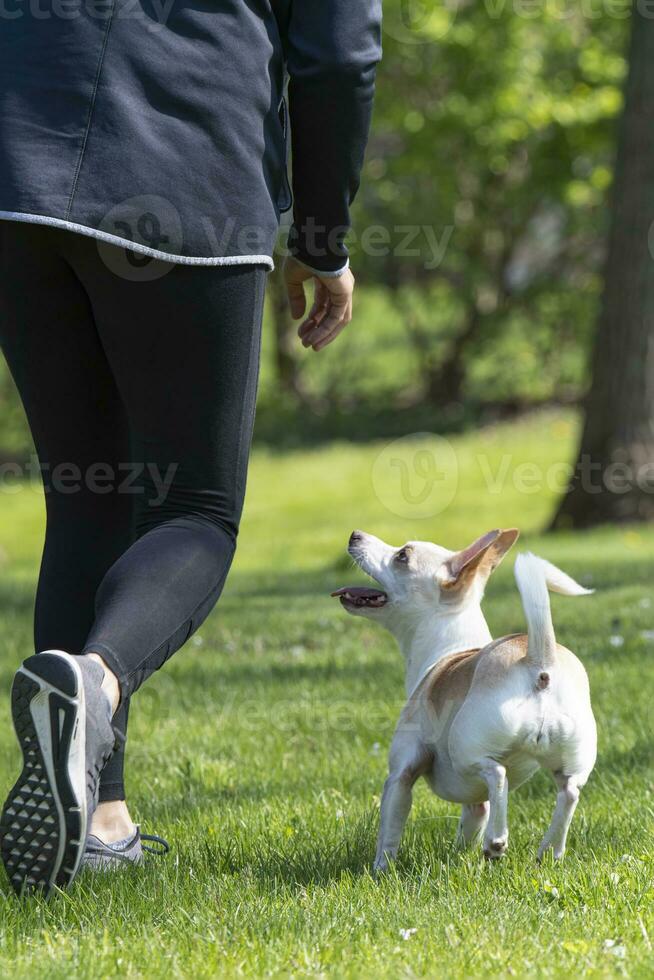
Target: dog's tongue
x=361, y=596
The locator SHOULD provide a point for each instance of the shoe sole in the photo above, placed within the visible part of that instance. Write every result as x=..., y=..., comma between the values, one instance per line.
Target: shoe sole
x=43, y=826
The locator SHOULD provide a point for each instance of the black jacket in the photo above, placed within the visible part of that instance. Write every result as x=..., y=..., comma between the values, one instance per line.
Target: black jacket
x=162, y=122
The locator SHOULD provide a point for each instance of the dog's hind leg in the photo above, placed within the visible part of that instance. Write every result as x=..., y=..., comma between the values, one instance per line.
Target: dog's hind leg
x=496, y=837
x=474, y=817
x=566, y=804
x=408, y=761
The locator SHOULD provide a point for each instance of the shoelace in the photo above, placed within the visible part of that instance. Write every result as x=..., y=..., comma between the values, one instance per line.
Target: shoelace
x=162, y=849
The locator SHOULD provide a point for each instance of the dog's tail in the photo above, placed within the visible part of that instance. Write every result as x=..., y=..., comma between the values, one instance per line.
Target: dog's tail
x=535, y=576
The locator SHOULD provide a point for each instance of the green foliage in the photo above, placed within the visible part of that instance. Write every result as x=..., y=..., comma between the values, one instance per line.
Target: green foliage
x=482, y=215
x=494, y=136
x=14, y=434
x=487, y=124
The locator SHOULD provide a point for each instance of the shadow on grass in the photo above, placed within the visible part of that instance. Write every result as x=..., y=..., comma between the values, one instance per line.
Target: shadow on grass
x=282, y=425
x=623, y=569
x=244, y=679
x=310, y=861
x=317, y=863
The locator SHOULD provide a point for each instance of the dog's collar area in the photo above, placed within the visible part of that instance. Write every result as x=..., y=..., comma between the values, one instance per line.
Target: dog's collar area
x=361, y=597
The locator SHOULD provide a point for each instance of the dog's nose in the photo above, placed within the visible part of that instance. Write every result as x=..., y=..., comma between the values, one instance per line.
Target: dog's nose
x=356, y=537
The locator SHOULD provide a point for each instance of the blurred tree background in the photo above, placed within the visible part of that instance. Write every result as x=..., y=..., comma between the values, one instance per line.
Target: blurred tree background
x=481, y=223
x=480, y=228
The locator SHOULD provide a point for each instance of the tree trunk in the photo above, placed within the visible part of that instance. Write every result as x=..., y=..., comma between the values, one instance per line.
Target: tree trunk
x=441, y=381
x=614, y=478
x=445, y=384
x=287, y=364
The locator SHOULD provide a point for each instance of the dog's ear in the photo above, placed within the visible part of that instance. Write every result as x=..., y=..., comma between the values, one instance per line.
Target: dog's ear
x=481, y=557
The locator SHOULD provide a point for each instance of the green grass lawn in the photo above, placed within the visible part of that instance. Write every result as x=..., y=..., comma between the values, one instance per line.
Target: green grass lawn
x=259, y=752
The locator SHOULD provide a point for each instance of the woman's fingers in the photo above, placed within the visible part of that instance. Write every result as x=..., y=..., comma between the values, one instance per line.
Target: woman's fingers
x=328, y=338
x=332, y=305
x=338, y=312
x=295, y=276
x=296, y=299
x=318, y=310
x=338, y=315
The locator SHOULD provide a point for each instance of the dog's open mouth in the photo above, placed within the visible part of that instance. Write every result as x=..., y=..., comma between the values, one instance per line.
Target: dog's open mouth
x=360, y=596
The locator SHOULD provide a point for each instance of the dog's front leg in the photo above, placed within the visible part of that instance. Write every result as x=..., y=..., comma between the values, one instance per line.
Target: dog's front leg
x=395, y=808
x=474, y=817
x=406, y=765
x=496, y=837
x=566, y=804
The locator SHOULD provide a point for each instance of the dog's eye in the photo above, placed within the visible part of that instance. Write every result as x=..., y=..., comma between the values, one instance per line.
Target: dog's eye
x=402, y=556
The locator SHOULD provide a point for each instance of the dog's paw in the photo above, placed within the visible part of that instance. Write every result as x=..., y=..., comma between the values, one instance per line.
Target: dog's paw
x=496, y=848
x=548, y=848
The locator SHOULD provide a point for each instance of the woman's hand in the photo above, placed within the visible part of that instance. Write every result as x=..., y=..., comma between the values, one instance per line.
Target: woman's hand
x=332, y=308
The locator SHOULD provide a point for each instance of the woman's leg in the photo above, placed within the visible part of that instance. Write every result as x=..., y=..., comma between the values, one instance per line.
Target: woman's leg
x=80, y=431
x=112, y=821
x=184, y=351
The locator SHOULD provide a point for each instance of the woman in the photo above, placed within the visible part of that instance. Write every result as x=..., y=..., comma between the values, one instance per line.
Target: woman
x=142, y=173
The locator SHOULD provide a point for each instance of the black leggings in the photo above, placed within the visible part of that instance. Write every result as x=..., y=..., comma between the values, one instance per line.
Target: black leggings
x=139, y=383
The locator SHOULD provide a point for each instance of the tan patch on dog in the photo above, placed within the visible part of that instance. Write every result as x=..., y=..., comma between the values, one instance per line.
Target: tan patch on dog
x=451, y=680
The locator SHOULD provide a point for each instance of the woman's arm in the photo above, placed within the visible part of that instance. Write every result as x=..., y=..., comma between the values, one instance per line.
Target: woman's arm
x=332, y=49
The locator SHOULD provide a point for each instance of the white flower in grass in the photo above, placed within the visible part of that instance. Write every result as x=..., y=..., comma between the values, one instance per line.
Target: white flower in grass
x=375, y=748
x=630, y=859
x=645, y=603
x=648, y=636
x=616, y=640
x=551, y=890
x=340, y=814
x=615, y=948
x=407, y=933
x=197, y=641
x=614, y=878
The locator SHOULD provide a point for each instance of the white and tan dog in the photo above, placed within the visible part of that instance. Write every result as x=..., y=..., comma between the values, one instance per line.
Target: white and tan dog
x=482, y=715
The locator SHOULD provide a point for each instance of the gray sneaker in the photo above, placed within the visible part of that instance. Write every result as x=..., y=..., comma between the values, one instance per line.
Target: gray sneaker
x=62, y=719
x=99, y=856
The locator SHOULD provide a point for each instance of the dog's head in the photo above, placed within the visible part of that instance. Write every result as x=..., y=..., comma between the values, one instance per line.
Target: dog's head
x=420, y=579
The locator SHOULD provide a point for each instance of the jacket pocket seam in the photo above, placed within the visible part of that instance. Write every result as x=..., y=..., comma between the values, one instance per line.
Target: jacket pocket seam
x=89, y=119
